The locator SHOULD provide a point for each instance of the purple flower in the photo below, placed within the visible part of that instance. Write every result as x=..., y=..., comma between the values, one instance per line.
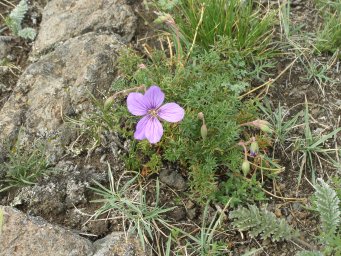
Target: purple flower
x=149, y=106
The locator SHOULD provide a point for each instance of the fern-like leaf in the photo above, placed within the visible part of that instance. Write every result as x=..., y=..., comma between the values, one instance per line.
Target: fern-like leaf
x=327, y=204
x=263, y=223
x=18, y=13
x=27, y=33
x=309, y=253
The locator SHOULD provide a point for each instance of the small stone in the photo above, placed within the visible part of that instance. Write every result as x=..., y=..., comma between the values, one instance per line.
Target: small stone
x=189, y=204
x=173, y=179
x=278, y=213
x=179, y=213
x=192, y=213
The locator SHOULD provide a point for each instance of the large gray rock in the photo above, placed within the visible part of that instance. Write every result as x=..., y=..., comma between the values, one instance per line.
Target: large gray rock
x=59, y=84
x=64, y=19
x=24, y=235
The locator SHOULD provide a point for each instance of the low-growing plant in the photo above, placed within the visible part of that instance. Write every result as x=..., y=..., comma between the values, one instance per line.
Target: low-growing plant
x=241, y=22
x=280, y=121
x=24, y=166
x=327, y=205
x=260, y=222
x=312, y=148
x=138, y=216
x=329, y=33
x=14, y=21
x=206, y=242
x=205, y=145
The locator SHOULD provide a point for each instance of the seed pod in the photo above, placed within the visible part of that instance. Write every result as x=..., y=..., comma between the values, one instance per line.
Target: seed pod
x=109, y=102
x=203, y=131
x=265, y=126
x=245, y=167
x=201, y=115
x=254, y=148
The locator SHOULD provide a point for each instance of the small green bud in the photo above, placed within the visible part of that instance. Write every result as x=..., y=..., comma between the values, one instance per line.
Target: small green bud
x=245, y=167
x=109, y=102
x=162, y=18
x=203, y=131
x=254, y=148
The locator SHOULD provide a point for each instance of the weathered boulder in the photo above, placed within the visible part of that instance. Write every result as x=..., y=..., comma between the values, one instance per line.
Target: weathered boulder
x=66, y=19
x=24, y=235
x=60, y=84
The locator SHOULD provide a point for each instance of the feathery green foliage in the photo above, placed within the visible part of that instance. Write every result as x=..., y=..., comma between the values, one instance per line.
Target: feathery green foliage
x=210, y=83
x=327, y=204
x=262, y=222
x=15, y=18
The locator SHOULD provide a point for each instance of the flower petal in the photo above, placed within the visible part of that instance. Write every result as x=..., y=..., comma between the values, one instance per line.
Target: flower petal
x=136, y=104
x=154, y=97
x=141, y=128
x=171, y=112
x=153, y=130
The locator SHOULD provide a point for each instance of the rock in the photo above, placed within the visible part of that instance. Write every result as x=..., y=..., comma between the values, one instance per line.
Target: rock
x=24, y=235
x=179, y=213
x=59, y=84
x=116, y=244
x=66, y=19
x=5, y=48
x=173, y=179
x=192, y=213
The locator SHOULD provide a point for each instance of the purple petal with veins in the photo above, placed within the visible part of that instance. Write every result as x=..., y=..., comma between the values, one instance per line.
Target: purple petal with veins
x=153, y=97
x=171, y=112
x=136, y=104
x=141, y=128
x=153, y=130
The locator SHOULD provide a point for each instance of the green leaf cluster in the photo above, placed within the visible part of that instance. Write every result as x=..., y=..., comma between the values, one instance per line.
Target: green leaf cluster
x=15, y=18
x=260, y=222
x=211, y=83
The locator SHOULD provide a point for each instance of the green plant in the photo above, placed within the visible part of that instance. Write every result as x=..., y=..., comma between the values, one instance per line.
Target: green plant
x=241, y=22
x=312, y=148
x=278, y=120
x=24, y=166
x=329, y=33
x=15, y=18
x=140, y=217
x=207, y=241
x=327, y=204
x=262, y=223
x=238, y=191
x=210, y=82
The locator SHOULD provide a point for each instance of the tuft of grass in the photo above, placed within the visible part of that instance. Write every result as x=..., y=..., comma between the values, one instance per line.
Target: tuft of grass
x=329, y=33
x=312, y=149
x=24, y=167
x=137, y=214
x=206, y=242
x=281, y=123
x=242, y=23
